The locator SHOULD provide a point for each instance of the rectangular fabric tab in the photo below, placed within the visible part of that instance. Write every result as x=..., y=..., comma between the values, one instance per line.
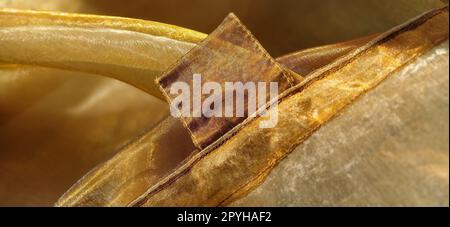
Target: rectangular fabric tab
x=229, y=59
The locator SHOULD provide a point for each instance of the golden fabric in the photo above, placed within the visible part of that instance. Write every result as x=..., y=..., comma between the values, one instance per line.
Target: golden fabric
x=133, y=51
x=239, y=163
x=155, y=142
x=92, y=131
x=389, y=146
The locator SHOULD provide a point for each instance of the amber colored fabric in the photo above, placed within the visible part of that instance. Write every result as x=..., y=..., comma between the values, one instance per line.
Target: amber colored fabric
x=76, y=195
x=132, y=175
x=241, y=161
x=124, y=181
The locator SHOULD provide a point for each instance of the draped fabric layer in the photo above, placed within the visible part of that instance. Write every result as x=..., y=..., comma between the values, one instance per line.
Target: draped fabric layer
x=345, y=120
x=242, y=158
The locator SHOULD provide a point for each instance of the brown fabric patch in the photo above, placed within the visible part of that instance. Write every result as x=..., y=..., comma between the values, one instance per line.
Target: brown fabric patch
x=228, y=54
